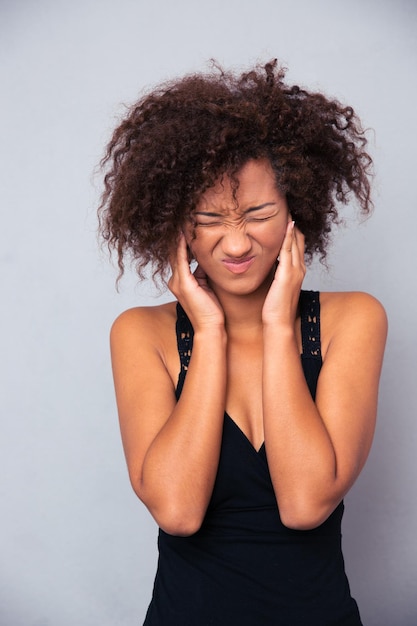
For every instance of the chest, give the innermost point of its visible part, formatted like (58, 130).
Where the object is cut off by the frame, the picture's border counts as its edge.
(244, 385)
(244, 390)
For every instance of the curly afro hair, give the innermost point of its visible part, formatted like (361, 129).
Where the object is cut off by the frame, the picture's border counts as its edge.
(177, 141)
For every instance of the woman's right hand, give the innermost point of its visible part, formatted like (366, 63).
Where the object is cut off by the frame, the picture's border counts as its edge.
(193, 291)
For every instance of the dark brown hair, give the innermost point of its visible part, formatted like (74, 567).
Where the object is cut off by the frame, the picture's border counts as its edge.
(177, 140)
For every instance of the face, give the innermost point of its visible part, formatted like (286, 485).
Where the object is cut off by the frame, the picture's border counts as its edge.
(237, 240)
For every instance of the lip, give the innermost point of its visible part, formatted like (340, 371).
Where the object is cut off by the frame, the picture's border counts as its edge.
(238, 266)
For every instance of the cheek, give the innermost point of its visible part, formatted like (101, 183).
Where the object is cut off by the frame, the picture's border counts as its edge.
(201, 242)
(274, 239)
(281, 237)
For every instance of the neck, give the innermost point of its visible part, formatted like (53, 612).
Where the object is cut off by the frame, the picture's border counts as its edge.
(243, 311)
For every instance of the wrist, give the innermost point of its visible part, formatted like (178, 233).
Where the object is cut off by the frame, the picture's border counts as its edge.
(215, 333)
(281, 333)
(279, 326)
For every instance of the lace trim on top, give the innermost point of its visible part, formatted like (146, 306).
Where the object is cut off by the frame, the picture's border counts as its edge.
(310, 329)
(185, 334)
(310, 323)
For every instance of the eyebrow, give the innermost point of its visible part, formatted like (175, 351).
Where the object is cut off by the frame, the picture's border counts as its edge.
(250, 210)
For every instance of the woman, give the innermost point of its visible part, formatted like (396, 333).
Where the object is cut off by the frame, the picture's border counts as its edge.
(247, 406)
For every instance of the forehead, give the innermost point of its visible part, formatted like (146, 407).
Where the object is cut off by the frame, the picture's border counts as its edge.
(256, 184)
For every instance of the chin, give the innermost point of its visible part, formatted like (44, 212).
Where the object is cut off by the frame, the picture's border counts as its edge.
(244, 285)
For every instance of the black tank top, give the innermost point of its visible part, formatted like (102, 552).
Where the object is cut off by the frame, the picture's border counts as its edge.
(244, 566)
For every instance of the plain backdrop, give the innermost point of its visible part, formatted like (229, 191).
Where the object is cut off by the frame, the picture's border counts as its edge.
(76, 545)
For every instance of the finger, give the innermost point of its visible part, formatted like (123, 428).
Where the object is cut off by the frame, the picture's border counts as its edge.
(298, 247)
(173, 256)
(285, 253)
(176, 260)
(182, 264)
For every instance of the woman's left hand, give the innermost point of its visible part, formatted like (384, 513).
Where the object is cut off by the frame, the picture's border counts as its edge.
(280, 306)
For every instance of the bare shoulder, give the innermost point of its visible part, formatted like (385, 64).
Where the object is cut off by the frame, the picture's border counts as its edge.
(350, 302)
(352, 314)
(146, 334)
(149, 322)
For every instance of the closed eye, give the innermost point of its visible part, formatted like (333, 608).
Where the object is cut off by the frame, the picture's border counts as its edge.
(213, 223)
(246, 219)
(254, 214)
(259, 219)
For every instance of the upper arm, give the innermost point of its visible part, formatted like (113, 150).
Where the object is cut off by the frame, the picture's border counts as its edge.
(145, 392)
(347, 390)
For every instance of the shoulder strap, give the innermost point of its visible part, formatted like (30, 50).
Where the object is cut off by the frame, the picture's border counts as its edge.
(185, 334)
(310, 323)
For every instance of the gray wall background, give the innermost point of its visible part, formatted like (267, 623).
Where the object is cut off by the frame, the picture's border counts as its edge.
(76, 546)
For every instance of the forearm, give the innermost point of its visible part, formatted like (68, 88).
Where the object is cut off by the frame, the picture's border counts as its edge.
(180, 466)
(301, 457)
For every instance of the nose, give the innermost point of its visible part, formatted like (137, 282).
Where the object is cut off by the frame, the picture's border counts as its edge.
(236, 243)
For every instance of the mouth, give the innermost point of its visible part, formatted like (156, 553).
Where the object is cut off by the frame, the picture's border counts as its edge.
(238, 266)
